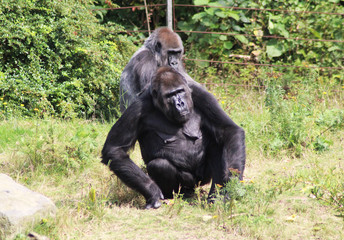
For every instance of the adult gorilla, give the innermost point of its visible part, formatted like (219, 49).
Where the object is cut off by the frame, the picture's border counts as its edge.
(162, 48)
(185, 139)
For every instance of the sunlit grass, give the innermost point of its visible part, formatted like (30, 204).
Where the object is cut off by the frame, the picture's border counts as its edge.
(285, 196)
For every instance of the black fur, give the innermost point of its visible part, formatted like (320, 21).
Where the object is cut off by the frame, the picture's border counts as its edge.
(162, 48)
(178, 154)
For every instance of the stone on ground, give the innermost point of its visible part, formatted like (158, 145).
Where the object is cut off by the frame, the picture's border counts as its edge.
(20, 207)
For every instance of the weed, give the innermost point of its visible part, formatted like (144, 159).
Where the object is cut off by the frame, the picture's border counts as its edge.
(331, 193)
(176, 205)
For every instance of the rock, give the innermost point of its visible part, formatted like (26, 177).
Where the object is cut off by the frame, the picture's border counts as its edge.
(20, 207)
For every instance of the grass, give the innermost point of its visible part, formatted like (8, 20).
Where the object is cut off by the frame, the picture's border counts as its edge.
(292, 191)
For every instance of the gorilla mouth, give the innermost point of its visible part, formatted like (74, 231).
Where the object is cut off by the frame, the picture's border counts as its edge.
(184, 116)
(184, 113)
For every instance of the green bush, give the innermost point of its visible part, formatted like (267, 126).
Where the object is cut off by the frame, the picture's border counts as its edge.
(246, 28)
(56, 59)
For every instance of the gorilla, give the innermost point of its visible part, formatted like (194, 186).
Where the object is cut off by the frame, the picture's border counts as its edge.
(185, 138)
(162, 48)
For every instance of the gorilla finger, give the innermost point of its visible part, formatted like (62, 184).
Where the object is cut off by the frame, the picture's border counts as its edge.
(155, 205)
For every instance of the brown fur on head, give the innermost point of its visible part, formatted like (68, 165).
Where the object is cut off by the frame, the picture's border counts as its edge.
(162, 41)
(167, 77)
(168, 38)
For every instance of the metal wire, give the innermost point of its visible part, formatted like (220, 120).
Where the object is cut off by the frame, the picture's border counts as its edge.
(129, 7)
(267, 36)
(259, 9)
(263, 64)
(246, 35)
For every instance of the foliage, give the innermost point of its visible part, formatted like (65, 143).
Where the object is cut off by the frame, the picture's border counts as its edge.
(298, 114)
(330, 192)
(55, 59)
(244, 30)
(243, 199)
(294, 122)
(136, 11)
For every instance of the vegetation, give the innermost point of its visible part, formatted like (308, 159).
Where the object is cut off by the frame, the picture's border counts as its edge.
(64, 58)
(293, 184)
(55, 59)
(290, 27)
(60, 63)
(247, 28)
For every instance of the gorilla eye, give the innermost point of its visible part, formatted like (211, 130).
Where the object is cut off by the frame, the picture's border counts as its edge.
(169, 95)
(174, 93)
(180, 91)
(176, 52)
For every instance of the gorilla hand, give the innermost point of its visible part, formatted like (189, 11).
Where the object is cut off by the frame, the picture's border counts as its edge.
(154, 201)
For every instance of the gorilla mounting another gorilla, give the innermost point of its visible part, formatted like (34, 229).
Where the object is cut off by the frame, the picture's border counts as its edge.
(162, 48)
(185, 137)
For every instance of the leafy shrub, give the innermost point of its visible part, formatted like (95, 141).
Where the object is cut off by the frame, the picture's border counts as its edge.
(246, 28)
(56, 59)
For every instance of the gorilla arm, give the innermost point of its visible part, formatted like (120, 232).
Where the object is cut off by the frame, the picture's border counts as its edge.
(228, 152)
(120, 139)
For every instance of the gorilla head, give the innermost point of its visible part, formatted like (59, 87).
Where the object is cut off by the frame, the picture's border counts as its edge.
(162, 48)
(171, 95)
(167, 47)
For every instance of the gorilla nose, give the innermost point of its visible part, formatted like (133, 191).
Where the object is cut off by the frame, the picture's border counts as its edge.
(174, 64)
(180, 105)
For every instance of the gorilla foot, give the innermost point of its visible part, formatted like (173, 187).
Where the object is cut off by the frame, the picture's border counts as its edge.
(187, 192)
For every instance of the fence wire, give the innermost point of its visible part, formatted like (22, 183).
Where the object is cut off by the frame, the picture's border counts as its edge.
(142, 7)
(259, 9)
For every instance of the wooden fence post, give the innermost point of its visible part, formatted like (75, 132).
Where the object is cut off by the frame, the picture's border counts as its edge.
(169, 14)
(147, 17)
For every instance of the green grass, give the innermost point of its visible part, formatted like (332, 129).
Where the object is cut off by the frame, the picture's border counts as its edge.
(290, 191)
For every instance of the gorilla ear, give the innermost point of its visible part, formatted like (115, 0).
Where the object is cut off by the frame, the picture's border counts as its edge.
(154, 93)
(158, 47)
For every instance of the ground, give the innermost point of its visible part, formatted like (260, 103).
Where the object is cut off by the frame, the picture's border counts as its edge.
(287, 194)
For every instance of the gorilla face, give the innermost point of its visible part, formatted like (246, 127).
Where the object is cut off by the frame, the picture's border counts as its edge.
(168, 48)
(174, 57)
(177, 103)
(171, 95)
(168, 55)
